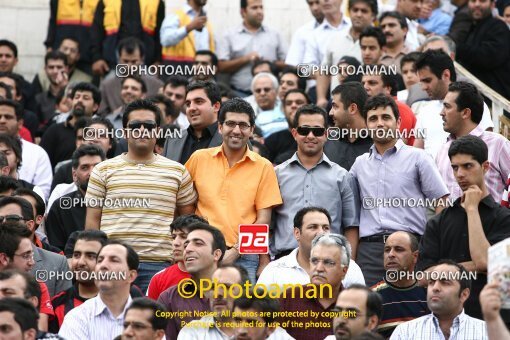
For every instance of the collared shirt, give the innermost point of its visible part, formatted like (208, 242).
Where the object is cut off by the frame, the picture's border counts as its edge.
(296, 54)
(402, 172)
(36, 167)
(93, 320)
(205, 328)
(412, 37)
(344, 153)
(301, 303)
(340, 45)
(172, 31)
(271, 121)
(446, 237)
(192, 143)
(439, 22)
(174, 302)
(236, 193)
(116, 117)
(499, 159)
(325, 185)
(427, 328)
(318, 41)
(286, 270)
(238, 42)
(389, 60)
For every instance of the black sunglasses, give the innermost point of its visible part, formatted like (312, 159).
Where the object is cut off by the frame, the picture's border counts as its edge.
(148, 125)
(305, 131)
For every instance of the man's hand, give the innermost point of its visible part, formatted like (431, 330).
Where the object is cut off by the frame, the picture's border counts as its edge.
(471, 198)
(231, 255)
(100, 67)
(62, 79)
(196, 24)
(252, 57)
(490, 301)
(322, 102)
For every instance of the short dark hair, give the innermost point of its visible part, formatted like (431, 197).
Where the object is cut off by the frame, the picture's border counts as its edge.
(184, 221)
(32, 286)
(374, 300)
(469, 145)
(243, 273)
(83, 86)
(298, 90)
(374, 32)
(378, 101)
(141, 104)
(244, 4)
(12, 143)
(92, 235)
(55, 55)
(8, 183)
(132, 257)
(130, 45)
(394, 14)
(3, 160)
(86, 150)
(464, 279)
(210, 87)
(370, 3)
(40, 206)
(81, 123)
(301, 81)
(411, 57)
(258, 62)
(261, 302)
(218, 238)
(237, 105)
(25, 314)
(176, 81)
(11, 234)
(166, 130)
(15, 105)
(310, 109)
(18, 79)
(170, 109)
(136, 78)
(214, 57)
(468, 97)
(27, 211)
(8, 90)
(437, 61)
(300, 215)
(351, 93)
(9, 44)
(109, 127)
(143, 303)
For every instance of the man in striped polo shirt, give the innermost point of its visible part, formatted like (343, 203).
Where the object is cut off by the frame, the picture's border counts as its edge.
(134, 196)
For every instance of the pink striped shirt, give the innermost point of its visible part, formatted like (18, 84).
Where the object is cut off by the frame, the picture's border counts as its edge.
(505, 200)
(499, 158)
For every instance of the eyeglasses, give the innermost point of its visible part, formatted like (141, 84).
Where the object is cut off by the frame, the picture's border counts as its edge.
(27, 256)
(11, 218)
(242, 125)
(265, 89)
(148, 125)
(305, 131)
(327, 262)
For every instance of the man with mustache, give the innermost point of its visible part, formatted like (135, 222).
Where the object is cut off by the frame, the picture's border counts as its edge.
(395, 28)
(359, 310)
(59, 139)
(390, 170)
(63, 219)
(447, 292)
(403, 298)
(221, 305)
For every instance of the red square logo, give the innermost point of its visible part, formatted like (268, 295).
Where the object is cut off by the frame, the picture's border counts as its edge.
(253, 239)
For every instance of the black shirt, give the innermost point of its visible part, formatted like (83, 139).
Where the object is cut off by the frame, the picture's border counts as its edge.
(59, 142)
(446, 237)
(344, 153)
(193, 143)
(67, 214)
(64, 174)
(279, 143)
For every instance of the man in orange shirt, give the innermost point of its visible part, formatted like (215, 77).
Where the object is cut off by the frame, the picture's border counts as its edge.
(234, 184)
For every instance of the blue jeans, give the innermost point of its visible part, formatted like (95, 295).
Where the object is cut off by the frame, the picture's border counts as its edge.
(146, 271)
(250, 263)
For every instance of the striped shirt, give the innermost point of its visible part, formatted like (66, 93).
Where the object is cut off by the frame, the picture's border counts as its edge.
(427, 327)
(93, 320)
(499, 159)
(505, 200)
(139, 201)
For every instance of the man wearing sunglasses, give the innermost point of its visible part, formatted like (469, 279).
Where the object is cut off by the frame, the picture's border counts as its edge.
(158, 187)
(235, 185)
(309, 178)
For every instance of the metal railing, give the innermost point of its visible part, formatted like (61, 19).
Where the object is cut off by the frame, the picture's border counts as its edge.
(499, 103)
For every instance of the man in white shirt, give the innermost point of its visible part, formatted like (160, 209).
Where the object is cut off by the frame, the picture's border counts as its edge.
(102, 317)
(36, 167)
(411, 9)
(294, 268)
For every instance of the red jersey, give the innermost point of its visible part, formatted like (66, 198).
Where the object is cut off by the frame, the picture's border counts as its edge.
(407, 121)
(165, 279)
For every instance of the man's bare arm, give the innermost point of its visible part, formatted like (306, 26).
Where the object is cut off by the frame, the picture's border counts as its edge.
(352, 235)
(93, 218)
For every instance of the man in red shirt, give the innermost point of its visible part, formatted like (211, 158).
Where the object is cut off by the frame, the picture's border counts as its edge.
(382, 80)
(172, 275)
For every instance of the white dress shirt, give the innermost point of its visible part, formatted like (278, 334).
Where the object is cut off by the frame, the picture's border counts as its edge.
(286, 270)
(319, 39)
(296, 54)
(93, 320)
(36, 167)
